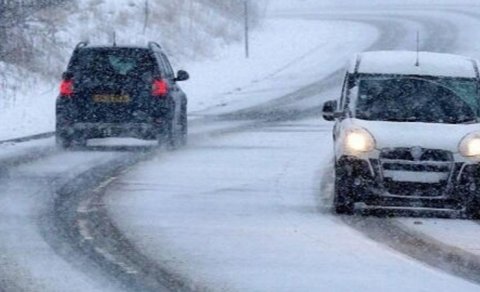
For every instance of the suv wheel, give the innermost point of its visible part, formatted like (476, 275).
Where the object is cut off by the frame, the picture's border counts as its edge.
(167, 137)
(344, 202)
(184, 127)
(63, 141)
(68, 142)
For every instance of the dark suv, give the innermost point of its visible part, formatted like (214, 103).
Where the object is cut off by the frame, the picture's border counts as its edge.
(115, 91)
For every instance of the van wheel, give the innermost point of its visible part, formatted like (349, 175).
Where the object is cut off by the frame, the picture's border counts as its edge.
(343, 201)
(472, 210)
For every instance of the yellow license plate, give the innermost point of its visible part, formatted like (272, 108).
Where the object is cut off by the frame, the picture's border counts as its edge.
(111, 98)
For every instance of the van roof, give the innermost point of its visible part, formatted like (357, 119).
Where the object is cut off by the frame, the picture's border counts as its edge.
(404, 63)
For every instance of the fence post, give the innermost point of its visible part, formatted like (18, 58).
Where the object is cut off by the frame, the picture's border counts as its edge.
(147, 16)
(247, 28)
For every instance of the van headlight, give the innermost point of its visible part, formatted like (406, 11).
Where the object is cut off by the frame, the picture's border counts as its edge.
(470, 145)
(359, 140)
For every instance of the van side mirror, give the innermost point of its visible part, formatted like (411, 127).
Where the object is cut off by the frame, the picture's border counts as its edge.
(182, 75)
(329, 109)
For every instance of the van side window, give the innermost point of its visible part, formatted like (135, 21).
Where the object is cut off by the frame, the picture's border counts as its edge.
(343, 97)
(351, 83)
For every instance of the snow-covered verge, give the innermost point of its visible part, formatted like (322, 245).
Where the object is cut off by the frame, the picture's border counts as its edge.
(27, 102)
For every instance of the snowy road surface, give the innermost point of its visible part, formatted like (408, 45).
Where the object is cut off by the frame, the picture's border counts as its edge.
(28, 261)
(246, 206)
(247, 216)
(248, 211)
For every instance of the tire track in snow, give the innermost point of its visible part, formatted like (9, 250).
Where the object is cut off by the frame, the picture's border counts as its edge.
(82, 224)
(420, 246)
(407, 240)
(79, 219)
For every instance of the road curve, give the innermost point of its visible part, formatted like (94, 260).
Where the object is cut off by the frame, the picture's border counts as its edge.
(82, 225)
(138, 272)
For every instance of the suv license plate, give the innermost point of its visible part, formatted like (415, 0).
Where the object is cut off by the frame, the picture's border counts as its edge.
(111, 98)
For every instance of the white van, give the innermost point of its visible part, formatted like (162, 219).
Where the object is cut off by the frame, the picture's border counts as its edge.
(407, 133)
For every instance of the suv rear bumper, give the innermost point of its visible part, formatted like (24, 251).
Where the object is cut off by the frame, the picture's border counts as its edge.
(148, 131)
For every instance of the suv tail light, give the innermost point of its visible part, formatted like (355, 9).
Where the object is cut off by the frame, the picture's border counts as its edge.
(66, 88)
(159, 88)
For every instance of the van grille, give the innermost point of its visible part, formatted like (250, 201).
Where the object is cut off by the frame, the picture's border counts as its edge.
(406, 154)
(416, 172)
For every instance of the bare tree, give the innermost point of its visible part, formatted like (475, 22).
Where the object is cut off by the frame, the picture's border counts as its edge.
(14, 16)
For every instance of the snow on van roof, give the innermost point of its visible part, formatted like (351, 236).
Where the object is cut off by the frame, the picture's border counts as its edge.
(404, 63)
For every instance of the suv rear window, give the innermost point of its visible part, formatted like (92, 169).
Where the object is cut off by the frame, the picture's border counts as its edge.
(107, 65)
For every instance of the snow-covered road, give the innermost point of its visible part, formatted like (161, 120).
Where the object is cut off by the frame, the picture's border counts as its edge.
(245, 212)
(29, 261)
(246, 206)
(250, 211)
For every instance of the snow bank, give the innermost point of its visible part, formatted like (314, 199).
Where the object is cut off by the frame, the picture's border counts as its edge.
(27, 102)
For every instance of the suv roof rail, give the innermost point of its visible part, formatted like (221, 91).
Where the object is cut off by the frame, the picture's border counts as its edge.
(477, 71)
(81, 45)
(358, 60)
(154, 44)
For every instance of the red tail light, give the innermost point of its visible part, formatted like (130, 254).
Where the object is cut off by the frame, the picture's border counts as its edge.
(66, 88)
(160, 88)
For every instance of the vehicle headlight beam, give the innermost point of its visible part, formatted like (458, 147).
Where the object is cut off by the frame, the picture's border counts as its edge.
(470, 145)
(359, 140)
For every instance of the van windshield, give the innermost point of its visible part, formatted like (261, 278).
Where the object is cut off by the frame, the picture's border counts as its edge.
(412, 99)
